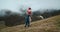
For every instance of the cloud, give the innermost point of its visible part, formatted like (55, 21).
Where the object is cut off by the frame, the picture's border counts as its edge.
(35, 4)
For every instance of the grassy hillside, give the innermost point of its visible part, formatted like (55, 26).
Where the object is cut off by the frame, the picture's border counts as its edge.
(2, 25)
(47, 25)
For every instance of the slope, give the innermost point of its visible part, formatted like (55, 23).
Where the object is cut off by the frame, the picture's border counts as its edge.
(47, 25)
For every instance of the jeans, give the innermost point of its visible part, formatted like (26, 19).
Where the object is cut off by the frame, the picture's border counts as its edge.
(27, 22)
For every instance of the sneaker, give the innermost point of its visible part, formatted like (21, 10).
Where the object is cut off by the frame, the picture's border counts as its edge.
(25, 25)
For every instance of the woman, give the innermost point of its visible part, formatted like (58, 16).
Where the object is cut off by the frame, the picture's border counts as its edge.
(28, 17)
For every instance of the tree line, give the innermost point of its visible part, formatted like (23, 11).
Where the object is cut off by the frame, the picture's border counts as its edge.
(12, 19)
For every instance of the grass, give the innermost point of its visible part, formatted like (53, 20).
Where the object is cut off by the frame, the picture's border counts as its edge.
(2, 25)
(47, 25)
(57, 23)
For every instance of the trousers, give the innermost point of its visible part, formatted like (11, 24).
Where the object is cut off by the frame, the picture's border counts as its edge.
(27, 22)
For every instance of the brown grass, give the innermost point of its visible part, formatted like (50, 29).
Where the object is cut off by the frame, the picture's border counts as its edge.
(46, 25)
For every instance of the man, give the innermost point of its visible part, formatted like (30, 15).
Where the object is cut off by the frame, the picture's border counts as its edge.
(28, 17)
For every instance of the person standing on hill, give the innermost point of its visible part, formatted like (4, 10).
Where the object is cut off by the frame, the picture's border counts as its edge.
(28, 17)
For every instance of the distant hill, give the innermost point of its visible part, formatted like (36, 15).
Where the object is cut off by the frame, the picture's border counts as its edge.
(51, 24)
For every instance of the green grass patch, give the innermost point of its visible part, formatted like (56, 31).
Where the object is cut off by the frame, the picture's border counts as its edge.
(58, 24)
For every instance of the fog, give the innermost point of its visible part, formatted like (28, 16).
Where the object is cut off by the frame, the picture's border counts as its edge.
(13, 11)
(15, 5)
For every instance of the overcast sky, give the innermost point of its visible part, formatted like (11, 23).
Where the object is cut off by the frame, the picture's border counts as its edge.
(14, 5)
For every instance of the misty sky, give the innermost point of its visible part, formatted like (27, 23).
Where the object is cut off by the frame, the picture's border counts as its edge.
(14, 5)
